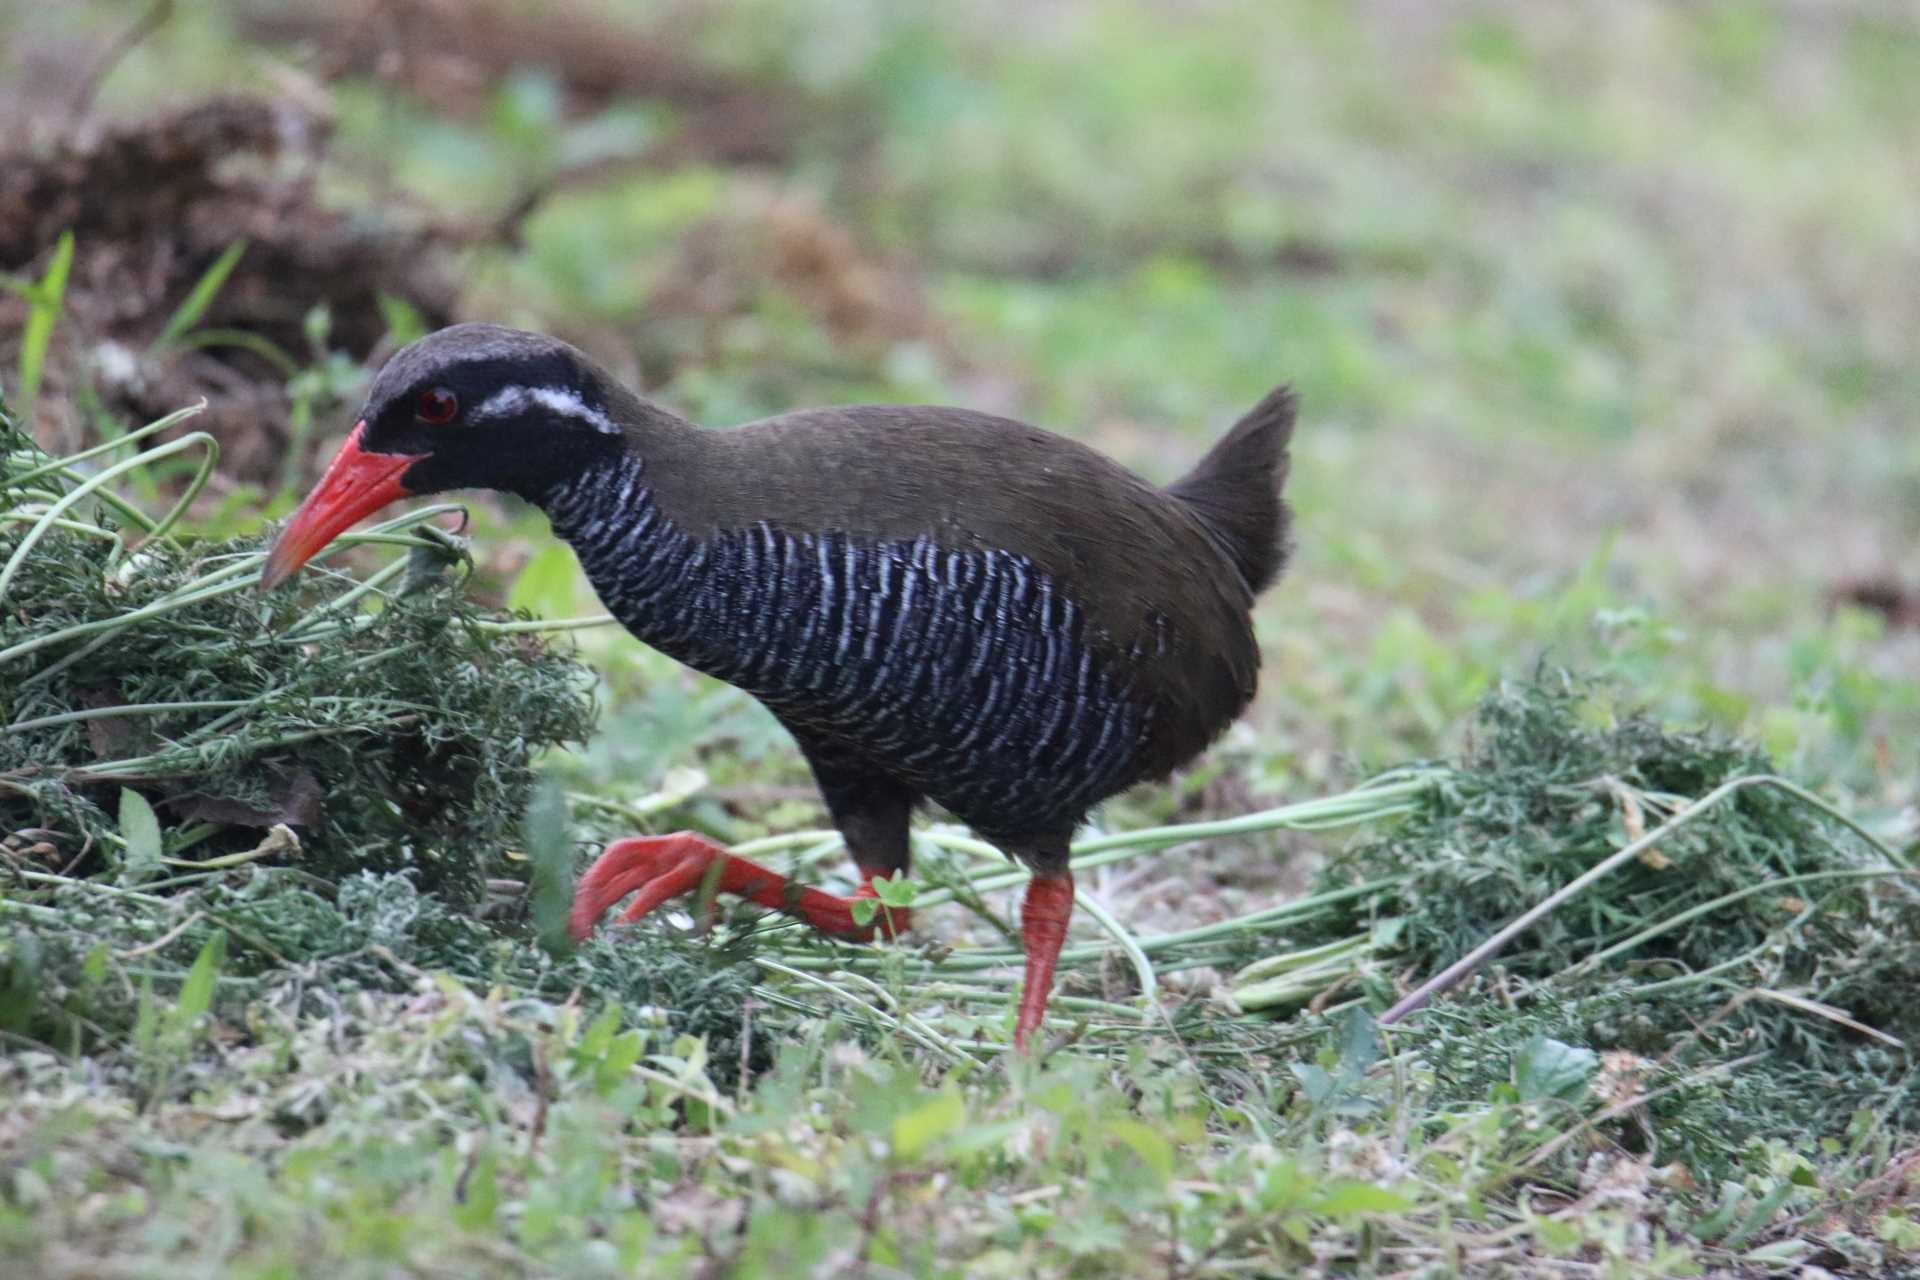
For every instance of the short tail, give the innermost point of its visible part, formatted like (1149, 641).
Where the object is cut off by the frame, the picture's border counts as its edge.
(1235, 489)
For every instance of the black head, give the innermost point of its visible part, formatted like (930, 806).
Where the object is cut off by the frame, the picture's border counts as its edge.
(485, 407)
(471, 407)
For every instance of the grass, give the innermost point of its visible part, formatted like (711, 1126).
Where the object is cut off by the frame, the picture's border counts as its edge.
(43, 298)
(1603, 339)
(1750, 953)
(125, 663)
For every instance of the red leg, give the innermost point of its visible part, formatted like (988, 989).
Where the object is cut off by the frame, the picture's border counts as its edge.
(1043, 920)
(663, 867)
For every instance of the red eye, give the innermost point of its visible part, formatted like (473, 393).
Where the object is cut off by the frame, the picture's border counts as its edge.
(436, 407)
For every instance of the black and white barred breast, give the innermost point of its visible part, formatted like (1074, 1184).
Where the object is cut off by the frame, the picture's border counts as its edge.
(969, 676)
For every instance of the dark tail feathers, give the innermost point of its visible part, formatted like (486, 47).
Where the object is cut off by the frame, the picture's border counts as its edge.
(1235, 489)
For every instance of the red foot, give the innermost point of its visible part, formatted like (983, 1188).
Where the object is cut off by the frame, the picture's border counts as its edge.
(663, 867)
(1043, 920)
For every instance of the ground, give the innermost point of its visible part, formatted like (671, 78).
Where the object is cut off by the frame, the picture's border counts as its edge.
(1602, 322)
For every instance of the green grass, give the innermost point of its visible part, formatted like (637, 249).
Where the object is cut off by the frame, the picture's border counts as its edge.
(1603, 326)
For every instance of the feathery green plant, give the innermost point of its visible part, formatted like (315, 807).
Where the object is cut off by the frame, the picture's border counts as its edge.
(395, 727)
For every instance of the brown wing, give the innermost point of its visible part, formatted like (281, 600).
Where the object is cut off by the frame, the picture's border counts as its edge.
(1138, 559)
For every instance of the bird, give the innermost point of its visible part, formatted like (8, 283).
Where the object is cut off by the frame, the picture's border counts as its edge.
(938, 604)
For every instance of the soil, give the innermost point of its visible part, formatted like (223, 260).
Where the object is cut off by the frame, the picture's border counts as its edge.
(152, 204)
(452, 54)
(723, 265)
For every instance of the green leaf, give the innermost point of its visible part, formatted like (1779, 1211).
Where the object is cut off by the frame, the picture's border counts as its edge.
(403, 320)
(141, 830)
(20, 963)
(1898, 1230)
(1359, 1044)
(1547, 1068)
(549, 848)
(1153, 1149)
(978, 1139)
(196, 994)
(1314, 1081)
(599, 1034)
(1556, 1237)
(316, 326)
(1712, 1225)
(1386, 933)
(201, 296)
(545, 584)
(146, 1022)
(481, 1199)
(1758, 1215)
(1347, 1196)
(1284, 1186)
(46, 299)
(621, 1055)
(914, 1131)
(896, 890)
(527, 109)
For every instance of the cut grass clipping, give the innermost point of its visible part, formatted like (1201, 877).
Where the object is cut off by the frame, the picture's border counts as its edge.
(162, 716)
(1738, 953)
(1643, 925)
(315, 787)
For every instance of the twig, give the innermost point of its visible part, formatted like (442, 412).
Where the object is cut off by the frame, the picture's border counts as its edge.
(747, 1007)
(164, 938)
(150, 21)
(1822, 1010)
(542, 1097)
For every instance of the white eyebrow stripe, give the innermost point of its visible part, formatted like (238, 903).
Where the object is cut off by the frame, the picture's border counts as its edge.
(568, 404)
(561, 401)
(502, 402)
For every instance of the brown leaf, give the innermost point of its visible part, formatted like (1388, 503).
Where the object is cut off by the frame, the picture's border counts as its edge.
(111, 737)
(294, 802)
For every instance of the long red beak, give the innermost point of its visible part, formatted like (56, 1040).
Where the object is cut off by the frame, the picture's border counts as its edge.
(357, 484)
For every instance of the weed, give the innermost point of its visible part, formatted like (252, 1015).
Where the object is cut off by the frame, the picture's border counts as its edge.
(393, 737)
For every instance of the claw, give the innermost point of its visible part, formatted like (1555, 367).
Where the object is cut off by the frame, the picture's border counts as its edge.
(655, 866)
(658, 868)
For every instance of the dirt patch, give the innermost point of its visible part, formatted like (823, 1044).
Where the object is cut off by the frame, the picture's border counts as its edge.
(152, 205)
(1893, 600)
(724, 265)
(453, 56)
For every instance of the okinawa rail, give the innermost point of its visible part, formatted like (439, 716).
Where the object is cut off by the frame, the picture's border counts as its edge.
(938, 604)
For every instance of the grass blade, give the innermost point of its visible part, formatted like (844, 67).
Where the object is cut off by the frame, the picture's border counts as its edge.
(46, 299)
(196, 995)
(549, 850)
(201, 296)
